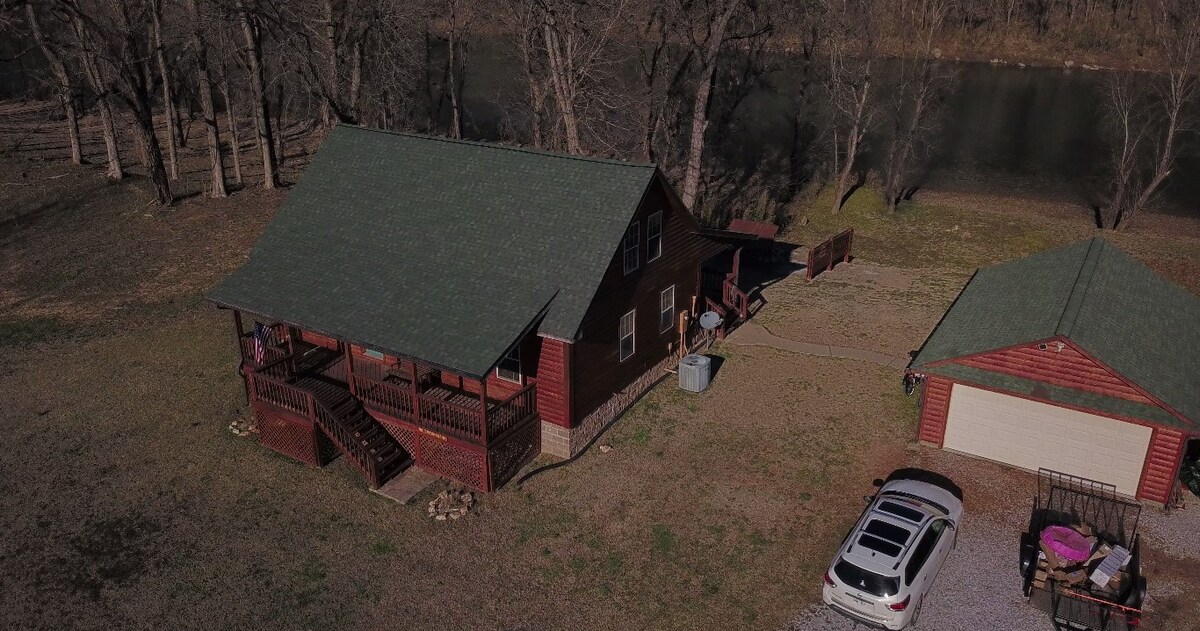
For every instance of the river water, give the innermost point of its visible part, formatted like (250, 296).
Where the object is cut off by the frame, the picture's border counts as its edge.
(1004, 129)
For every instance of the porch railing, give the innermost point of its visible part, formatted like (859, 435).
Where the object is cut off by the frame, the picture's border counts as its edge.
(387, 397)
(508, 413)
(449, 418)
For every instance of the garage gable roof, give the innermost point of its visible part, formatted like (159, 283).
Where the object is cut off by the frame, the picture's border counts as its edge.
(1105, 301)
(446, 251)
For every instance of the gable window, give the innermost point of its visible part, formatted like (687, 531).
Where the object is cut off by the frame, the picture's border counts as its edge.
(631, 247)
(509, 368)
(627, 334)
(666, 309)
(654, 236)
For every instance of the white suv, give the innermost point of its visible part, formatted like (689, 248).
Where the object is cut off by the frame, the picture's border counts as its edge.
(887, 563)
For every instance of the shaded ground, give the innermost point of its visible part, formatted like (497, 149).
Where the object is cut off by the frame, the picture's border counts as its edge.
(125, 503)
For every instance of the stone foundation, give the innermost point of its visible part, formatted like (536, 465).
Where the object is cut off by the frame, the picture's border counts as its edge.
(565, 443)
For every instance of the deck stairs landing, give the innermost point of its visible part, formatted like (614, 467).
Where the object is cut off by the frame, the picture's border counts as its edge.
(357, 434)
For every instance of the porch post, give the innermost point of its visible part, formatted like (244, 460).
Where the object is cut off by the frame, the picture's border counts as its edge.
(237, 323)
(483, 434)
(416, 399)
(350, 369)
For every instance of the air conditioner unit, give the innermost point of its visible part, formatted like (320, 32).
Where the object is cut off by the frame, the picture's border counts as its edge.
(694, 372)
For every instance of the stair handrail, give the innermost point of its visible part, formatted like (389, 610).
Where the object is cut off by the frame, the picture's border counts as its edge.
(319, 413)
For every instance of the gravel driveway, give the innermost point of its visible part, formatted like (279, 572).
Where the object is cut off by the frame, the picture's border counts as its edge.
(978, 588)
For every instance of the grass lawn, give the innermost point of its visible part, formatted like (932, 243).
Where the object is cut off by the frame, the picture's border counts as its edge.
(126, 503)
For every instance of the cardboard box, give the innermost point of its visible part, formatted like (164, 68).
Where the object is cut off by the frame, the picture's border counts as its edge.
(1076, 577)
(1083, 529)
(1053, 561)
(1100, 552)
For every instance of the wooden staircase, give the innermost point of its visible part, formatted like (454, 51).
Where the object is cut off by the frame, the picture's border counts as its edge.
(354, 431)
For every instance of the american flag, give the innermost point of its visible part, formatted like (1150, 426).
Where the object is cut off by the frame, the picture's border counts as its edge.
(262, 337)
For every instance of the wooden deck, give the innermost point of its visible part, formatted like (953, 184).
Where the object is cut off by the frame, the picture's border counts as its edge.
(379, 415)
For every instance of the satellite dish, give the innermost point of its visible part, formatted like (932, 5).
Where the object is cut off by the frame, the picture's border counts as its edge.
(710, 320)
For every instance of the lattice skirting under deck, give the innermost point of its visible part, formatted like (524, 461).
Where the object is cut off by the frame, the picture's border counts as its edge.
(288, 435)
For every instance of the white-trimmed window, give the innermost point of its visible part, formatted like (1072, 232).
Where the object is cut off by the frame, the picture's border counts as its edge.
(654, 236)
(631, 247)
(666, 309)
(627, 334)
(509, 368)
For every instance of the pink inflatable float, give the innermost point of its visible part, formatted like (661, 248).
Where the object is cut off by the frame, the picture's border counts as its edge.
(1067, 543)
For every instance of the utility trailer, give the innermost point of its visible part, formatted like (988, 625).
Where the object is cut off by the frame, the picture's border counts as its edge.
(1112, 521)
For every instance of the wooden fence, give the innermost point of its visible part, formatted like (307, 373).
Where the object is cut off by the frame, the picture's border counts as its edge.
(830, 252)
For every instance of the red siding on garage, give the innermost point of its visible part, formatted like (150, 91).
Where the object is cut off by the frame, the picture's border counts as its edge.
(935, 405)
(554, 378)
(1162, 464)
(1068, 368)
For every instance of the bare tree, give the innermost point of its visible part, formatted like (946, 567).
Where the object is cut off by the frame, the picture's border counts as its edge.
(235, 145)
(850, 85)
(710, 27)
(53, 53)
(1148, 115)
(524, 20)
(112, 32)
(89, 60)
(160, 57)
(910, 109)
(249, 23)
(576, 38)
(208, 110)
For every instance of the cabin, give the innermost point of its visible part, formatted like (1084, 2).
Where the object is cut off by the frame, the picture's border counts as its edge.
(1079, 359)
(463, 306)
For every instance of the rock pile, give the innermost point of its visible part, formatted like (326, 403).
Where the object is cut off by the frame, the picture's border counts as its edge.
(451, 505)
(243, 427)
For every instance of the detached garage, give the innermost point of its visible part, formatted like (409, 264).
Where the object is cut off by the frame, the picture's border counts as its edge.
(1079, 359)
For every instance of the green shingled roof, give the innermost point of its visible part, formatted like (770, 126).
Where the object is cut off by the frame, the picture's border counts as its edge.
(446, 251)
(1105, 301)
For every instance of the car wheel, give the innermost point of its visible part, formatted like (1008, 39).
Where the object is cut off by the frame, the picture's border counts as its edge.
(912, 622)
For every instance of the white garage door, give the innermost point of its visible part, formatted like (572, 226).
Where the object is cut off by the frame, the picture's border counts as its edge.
(1031, 435)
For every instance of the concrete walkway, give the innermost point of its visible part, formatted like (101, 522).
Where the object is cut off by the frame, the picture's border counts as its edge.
(751, 334)
(405, 486)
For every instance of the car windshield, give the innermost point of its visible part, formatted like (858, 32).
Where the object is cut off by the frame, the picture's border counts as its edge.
(863, 580)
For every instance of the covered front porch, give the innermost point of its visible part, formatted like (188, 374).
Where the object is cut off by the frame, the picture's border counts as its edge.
(462, 427)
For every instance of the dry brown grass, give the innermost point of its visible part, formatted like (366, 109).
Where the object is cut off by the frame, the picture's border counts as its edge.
(124, 502)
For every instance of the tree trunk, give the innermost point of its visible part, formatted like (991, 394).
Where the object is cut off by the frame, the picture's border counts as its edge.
(331, 41)
(87, 58)
(563, 84)
(843, 178)
(160, 57)
(691, 176)
(279, 131)
(66, 94)
(356, 58)
(700, 103)
(235, 145)
(207, 109)
(262, 114)
(452, 76)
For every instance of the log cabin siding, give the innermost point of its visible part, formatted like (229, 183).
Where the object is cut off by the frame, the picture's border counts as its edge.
(598, 371)
(935, 406)
(1162, 464)
(553, 390)
(1068, 367)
